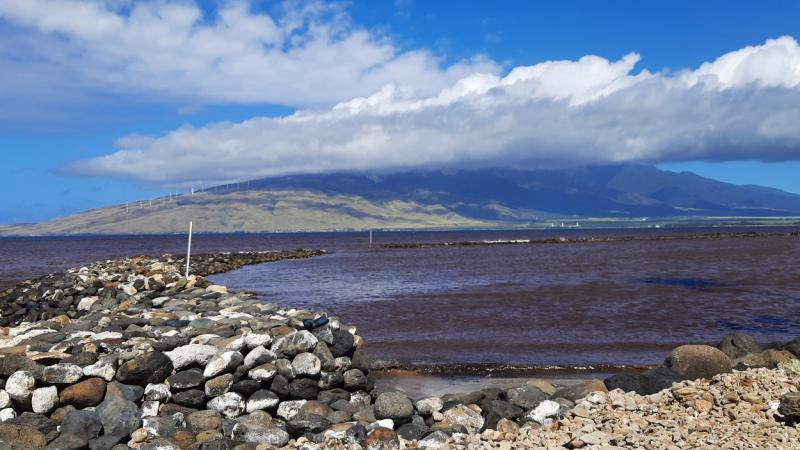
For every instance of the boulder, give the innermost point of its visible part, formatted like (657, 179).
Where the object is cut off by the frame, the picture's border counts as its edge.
(222, 363)
(464, 416)
(526, 397)
(698, 361)
(186, 379)
(736, 345)
(658, 379)
(86, 393)
(393, 405)
(84, 424)
(18, 437)
(44, 400)
(20, 385)
(306, 364)
(152, 367)
(230, 405)
(382, 439)
(62, 373)
(790, 405)
(205, 420)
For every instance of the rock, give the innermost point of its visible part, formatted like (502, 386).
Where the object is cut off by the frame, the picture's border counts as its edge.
(230, 405)
(118, 416)
(157, 392)
(736, 345)
(393, 405)
(412, 432)
(580, 390)
(658, 379)
(152, 367)
(790, 405)
(306, 364)
(191, 354)
(84, 424)
(68, 442)
(44, 400)
(434, 441)
(17, 437)
(526, 397)
(299, 342)
(15, 363)
(625, 381)
(5, 399)
(62, 373)
(191, 398)
(698, 361)
(248, 432)
(37, 421)
(262, 400)
(103, 369)
(546, 409)
(288, 409)
(464, 416)
(355, 380)
(86, 393)
(262, 373)
(303, 424)
(20, 385)
(186, 379)
(428, 405)
(382, 439)
(219, 385)
(767, 358)
(223, 362)
(303, 389)
(205, 420)
(257, 356)
(343, 344)
(7, 414)
(501, 409)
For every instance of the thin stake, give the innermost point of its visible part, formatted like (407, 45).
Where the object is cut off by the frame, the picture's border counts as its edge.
(370, 238)
(189, 249)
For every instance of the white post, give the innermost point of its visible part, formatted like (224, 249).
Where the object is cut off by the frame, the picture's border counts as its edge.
(192, 192)
(370, 238)
(126, 207)
(189, 249)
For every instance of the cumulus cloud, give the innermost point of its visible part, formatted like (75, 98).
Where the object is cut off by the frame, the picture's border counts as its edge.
(301, 54)
(743, 105)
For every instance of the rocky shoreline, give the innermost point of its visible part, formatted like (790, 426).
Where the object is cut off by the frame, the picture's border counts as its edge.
(130, 354)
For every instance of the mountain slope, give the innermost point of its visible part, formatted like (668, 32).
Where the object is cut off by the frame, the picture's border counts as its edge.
(431, 200)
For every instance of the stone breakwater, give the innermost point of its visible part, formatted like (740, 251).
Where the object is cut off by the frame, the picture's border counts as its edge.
(128, 353)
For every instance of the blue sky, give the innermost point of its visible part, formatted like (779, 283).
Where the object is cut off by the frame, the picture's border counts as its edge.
(70, 98)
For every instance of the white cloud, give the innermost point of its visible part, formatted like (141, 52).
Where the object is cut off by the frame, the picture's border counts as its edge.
(744, 105)
(303, 54)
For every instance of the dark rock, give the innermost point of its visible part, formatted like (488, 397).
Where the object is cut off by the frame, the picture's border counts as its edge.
(246, 387)
(303, 389)
(311, 423)
(206, 420)
(625, 381)
(393, 405)
(186, 379)
(21, 437)
(13, 363)
(580, 390)
(118, 416)
(698, 361)
(81, 359)
(793, 346)
(526, 397)
(332, 395)
(219, 385)
(68, 442)
(108, 442)
(37, 421)
(790, 405)
(193, 398)
(736, 345)
(84, 424)
(412, 432)
(153, 367)
(343, 343)
(280, 386)
(126, 391)
(355, 380)
(502, 409)
(658, 379)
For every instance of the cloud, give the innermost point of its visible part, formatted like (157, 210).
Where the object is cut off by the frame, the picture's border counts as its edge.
(301, 54)
(744, 105)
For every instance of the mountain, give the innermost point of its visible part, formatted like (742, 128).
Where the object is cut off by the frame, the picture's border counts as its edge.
(431, 200)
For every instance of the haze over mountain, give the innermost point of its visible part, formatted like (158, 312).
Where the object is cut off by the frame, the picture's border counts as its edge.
(431, 200)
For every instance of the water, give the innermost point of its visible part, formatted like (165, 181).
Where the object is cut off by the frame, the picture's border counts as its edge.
(617, 303)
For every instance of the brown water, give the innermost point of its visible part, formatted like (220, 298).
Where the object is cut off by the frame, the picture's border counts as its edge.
(617, 303)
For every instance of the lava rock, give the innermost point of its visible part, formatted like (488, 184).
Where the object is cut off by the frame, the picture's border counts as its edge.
(698, 361)
(152, 367)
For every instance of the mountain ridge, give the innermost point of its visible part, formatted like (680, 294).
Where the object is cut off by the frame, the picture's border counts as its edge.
(433, 199)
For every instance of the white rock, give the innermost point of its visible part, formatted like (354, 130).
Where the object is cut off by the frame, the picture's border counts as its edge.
(62, 373)
(7, 414)
(223, 362)
(264, 372)
(429, 405)
(19, 386)
(236, 344)
(103, 369)
(384, 423)
(230, 405)
(44, 400)
(306, 364)
(463, 415)
(5, 400)
(546, 408)
(258, 402)
(252, 340)
(187, 355)
(288, 409)
(159, 301)
(150, 408)
(217, 288)
(107, 335)
(157, 392)
(257, 356)
(86, 303)
(129, 289)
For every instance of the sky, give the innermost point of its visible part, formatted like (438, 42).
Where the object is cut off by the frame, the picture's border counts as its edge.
(109, 101)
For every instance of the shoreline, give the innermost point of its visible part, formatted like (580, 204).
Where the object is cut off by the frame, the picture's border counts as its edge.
(130, 354)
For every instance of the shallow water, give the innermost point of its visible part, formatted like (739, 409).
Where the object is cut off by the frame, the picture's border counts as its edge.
(618, 303)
